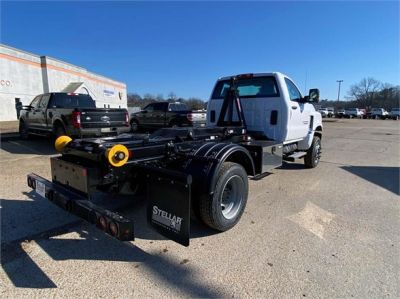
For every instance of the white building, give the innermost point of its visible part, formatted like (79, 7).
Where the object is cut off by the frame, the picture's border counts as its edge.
(24, 75)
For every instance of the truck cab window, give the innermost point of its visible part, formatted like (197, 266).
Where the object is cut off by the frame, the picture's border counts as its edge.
(149, 108)
(160, 106)
(294, 93)
(177, 107)
(44, 101)
(256, 87)
(35, 102)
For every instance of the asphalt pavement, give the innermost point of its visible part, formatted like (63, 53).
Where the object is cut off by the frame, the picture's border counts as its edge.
(329, 232)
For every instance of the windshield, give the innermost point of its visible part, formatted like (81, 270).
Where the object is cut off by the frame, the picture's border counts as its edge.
(256, 87)
(63, 100)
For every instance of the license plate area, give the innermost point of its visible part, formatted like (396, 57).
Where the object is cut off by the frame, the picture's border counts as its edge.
(72, 175)
(41, 189)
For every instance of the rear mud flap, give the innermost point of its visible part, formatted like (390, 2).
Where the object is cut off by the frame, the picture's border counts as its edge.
(168, 210)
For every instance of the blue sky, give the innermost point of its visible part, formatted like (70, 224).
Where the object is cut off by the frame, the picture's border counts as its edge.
(159, 47)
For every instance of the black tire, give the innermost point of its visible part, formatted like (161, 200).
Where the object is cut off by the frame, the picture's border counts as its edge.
(311, 160)
(58, 131)
(134, 126)
(23, 130)
(222, 210)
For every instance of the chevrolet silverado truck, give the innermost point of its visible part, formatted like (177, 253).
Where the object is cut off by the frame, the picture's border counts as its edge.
(71, 114)
(165, 114)
(254, 122)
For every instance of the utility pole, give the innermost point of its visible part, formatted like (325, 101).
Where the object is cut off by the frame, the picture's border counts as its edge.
(338, 94)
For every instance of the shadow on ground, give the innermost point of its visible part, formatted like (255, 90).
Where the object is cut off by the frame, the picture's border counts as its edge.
(92, 244)
(32, 146)
(385, 177)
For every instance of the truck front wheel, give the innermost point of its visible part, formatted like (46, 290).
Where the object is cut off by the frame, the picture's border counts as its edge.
(224, 208)
(23, 130)
(311, 160)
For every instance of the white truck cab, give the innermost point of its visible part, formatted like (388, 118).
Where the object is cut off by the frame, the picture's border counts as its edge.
(379, 113)
(273, 106)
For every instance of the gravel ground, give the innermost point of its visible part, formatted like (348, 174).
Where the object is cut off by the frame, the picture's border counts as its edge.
(327, 232)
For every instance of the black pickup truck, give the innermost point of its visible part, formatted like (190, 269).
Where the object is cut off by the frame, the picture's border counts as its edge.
(70, 114)
(165, 114)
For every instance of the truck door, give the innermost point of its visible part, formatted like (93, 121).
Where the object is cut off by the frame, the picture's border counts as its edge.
(42, 112)
(145, 116)
(299, 117)
(33, 114)
(159, 113)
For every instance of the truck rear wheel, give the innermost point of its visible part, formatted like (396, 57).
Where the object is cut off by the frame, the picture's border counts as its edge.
(223, 209)
(58, 131)
(311, 160)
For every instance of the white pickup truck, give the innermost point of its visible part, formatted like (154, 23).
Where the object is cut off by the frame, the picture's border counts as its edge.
(254, 122)
(275, 109)
(379, 113)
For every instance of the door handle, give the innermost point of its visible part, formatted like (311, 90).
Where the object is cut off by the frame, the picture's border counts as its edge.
(294, 107)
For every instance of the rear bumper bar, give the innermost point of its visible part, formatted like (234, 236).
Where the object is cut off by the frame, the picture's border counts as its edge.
(110, 222)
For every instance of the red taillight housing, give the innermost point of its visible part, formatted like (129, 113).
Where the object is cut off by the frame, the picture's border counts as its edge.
(189, 116)
(76, 119)
(127, 118)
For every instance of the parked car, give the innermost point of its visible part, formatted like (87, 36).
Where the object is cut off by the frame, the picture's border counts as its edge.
(72, 114)
(331, 112)
(353, 112)
(379, 113)
(165, 114)
(324, 112)
(395, 113)
(340, 113)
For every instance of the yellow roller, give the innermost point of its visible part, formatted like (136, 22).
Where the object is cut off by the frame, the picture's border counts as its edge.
(114, 155)
(61, 142)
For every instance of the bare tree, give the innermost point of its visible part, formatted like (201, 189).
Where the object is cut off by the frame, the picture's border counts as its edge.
(365, 91)
(171, 96)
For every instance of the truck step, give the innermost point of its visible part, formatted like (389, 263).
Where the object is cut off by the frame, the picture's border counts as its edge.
(296, 155)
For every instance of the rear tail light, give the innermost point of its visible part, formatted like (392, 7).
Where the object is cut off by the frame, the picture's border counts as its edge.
(189, 116)
(126, 118)
(113, 228)
(76, 119)
(102, 221)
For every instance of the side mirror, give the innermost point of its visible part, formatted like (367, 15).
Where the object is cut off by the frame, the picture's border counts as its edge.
(313, 95)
